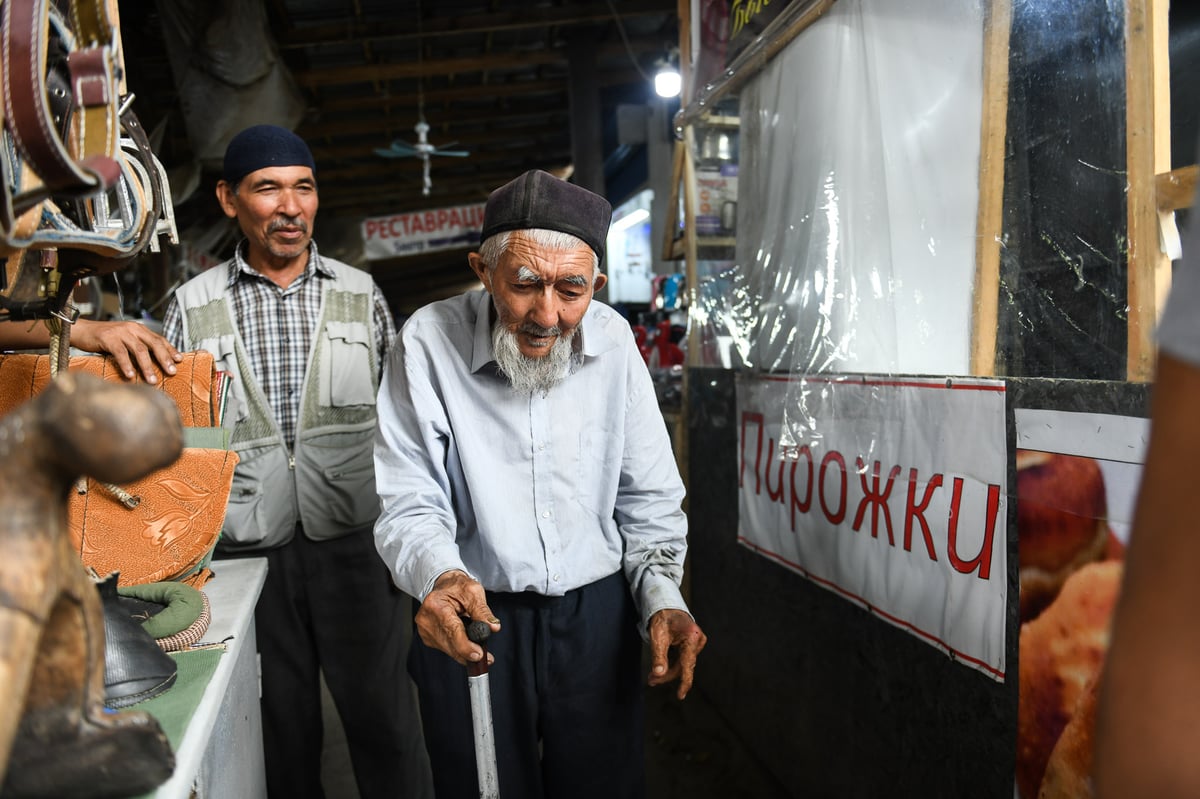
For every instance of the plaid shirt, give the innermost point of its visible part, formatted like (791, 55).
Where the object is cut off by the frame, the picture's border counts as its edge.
(277, 326)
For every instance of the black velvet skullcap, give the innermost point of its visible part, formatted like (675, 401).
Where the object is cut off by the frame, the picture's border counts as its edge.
(261, 146)
(537, 199)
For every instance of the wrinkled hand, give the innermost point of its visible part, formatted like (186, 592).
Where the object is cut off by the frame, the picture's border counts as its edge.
(128, 343)
(674, 629)
(439, 620)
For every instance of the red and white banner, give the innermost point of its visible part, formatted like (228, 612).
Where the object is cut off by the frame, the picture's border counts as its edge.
(896, 501)
(422, 231)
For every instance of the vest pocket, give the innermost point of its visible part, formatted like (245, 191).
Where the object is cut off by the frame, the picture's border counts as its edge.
(346, 471)
(260, 513)
(346, 376)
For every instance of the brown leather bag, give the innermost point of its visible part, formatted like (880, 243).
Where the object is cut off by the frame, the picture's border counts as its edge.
(164, 526)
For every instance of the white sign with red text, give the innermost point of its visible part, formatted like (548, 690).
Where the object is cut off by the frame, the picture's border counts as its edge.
(422, 231)
(897, 500)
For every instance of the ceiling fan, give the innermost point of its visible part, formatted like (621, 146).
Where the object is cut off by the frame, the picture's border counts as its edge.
(422, 149)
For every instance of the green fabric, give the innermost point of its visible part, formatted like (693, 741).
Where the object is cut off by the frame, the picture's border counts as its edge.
(174, 707)
(183, 605)
(206, 437)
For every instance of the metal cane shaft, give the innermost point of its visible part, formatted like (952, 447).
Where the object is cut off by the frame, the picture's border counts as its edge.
(485, 740)
(481, 714)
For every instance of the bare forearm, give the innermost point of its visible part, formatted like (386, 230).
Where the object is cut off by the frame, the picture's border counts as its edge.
(24, 335)
(1149, 714)
(134, 347)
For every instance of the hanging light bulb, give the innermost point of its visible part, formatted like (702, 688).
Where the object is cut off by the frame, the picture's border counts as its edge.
(667, 82)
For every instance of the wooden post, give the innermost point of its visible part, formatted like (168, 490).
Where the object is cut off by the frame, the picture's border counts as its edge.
(990, 213)
(681, 172)
(584, 107)
(671, 221)
(1147, 153)
(690, 248)
(1177, 188)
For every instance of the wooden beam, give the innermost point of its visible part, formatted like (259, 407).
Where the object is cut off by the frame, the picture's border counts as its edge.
(497, 90)
(670, 250)
(367, 73)
(406, 102)
(400, 28)
(400, 123)
(691, 202)
(496, 140)
(1147, 153)
(1176, 189)
(448, 190)
(989, 221)
(692, 355)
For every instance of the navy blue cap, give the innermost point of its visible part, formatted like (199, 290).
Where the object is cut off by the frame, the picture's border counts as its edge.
(261, 146)
(537, 199)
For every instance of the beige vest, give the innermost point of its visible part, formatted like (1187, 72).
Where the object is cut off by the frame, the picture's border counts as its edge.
(327, 484)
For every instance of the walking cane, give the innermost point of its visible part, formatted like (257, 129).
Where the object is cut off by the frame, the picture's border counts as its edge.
(481, 714)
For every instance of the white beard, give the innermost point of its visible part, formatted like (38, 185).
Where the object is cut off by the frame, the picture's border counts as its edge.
(528, 375)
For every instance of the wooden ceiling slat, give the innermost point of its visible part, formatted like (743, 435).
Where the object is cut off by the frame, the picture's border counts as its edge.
(520, 88)
(486, 62)
(401, 121)
(497, 139)
(402, 28)
(447, 191)
(366, 73)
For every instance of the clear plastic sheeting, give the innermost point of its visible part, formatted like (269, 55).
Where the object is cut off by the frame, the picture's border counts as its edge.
(857, 195)
(860, 175)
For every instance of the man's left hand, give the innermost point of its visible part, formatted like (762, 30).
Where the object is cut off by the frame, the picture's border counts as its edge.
(130, 344)
(674, 629)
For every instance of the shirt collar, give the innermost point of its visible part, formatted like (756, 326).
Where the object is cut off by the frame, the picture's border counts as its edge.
(239, 266)
(481, 354)
(593, 333)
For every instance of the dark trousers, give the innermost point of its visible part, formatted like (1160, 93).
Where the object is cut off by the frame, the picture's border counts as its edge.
(331, 607)
(567, 701)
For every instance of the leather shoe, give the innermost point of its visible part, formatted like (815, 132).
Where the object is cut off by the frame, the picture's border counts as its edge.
(135, 666)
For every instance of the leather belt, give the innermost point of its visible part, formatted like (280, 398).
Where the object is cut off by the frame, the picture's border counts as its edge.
(79, 175)
(87, 161)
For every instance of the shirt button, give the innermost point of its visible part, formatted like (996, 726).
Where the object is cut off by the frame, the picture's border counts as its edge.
(541, 446)
(556, 578)
(545, 514)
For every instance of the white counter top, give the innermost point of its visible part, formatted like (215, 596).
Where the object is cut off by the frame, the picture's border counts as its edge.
(221, 754)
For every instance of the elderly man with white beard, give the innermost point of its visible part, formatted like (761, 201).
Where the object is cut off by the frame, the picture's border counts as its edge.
(527, 481)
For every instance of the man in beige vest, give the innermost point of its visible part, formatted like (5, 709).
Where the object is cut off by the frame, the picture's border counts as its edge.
(304, 338)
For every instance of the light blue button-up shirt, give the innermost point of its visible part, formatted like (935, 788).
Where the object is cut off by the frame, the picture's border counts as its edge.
(543, 493)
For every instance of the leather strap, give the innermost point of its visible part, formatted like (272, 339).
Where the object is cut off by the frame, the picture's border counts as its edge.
(67, 145)
(91, 22)
(90, 163)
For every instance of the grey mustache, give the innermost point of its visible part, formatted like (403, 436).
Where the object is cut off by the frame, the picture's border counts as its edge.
(537, 330)
(283, 222)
